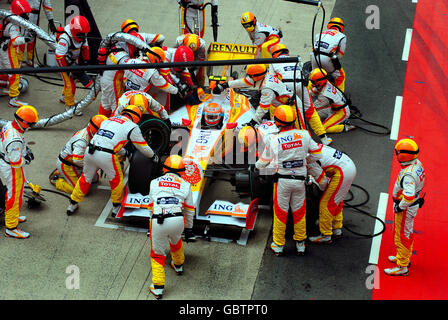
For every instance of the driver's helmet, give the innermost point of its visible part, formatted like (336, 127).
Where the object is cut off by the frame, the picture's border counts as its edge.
(212, 114)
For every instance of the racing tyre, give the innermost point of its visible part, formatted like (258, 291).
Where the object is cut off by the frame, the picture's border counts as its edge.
(141, 171)
(306, 69)
(156, 133)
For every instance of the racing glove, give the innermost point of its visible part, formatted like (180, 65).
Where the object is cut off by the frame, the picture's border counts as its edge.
(397, 208)
(189, 235)
(167, 122)
(29, 156)
(51, 26)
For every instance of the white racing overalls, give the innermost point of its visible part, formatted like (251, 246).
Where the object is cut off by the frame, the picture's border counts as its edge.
(112, 86)
(407, 193)
(275, 93)
(103, 153)
(287, 153)
(341, 172)
(332, 43)
(68, 51)
(332, 107)
(70, 161)
(172, 209)
(192, 19)
(264, 37)
(154, 107)
(12, 153)
(13, 37)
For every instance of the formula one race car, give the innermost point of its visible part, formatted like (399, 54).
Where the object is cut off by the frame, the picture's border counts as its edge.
(211, 154)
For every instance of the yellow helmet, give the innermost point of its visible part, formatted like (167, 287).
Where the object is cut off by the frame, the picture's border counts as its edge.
(284, 115)
(140, 101)
(247, 136)
(256, 71)
(248, 21)
(129, 25)
(156, 55)
(278, 49)
(317, 78)
(95, 122)
(173, 163)
(406, 150)
(336, 23)
(192, 41)
(133, 112)
(26, 116)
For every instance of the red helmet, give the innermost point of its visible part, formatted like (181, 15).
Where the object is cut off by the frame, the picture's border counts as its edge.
(79, 28)
(183, 54)
(19, 7)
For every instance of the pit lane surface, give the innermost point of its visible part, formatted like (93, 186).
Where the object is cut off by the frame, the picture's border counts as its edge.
(114, 263)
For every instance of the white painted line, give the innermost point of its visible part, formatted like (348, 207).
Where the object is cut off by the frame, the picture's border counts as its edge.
(396, 118)
(407, 45)
(414, 1)
(376, 241)
(101, 221)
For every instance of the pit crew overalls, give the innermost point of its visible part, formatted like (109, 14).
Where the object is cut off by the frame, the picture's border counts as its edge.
(34, 18)
(172, 209)
(332, 43)
(287, 153)
(12, 152)
(332, 107)
(112, 86)
(264, 37)
(70, 161)
(275, 93)
(67, 53)
(103, 153)
(193, 16)
(407, 192)
(341, 172)
(154, 107)
(12, 38)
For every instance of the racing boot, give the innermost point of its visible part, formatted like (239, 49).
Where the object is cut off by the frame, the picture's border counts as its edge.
(16, 103)
(348, 126)
(72, 207)
(300, 247)
(393, 259)
(54, 176)
(337, 233)
(116, 209)
(157, 291)
(178, 269)
(397, 271)
(278, 250)
(22, 219)
(325, 140)
(16, 233)
(321, 239)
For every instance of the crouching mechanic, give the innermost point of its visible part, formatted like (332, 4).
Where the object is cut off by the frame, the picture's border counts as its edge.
(407, 196)
(14, 154)
(287, 152)
(335, 173)
(172, 210)
(70, 161)
(330, 103)
(145, 102)
(103, 153)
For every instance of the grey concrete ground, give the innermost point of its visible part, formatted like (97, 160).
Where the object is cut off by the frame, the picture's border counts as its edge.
(114, 263)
